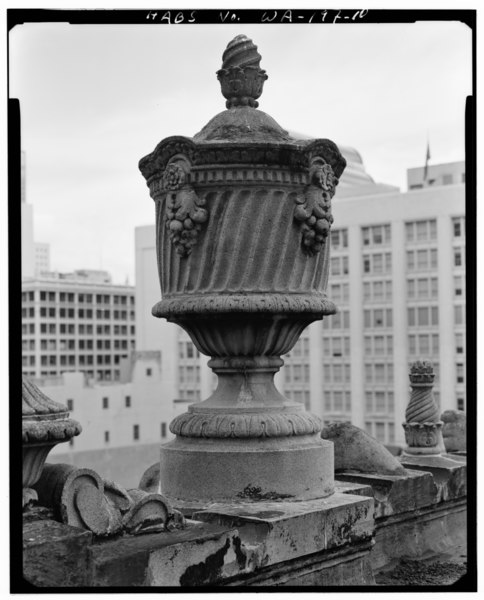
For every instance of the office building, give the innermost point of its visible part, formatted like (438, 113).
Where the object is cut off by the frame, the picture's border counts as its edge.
(41, 258)
(76, 322)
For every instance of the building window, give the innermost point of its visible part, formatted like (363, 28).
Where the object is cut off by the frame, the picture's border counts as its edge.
(339, 239)
(70, 405)
(421, 231)
(148, 372)
(458, 285)
(380, 431)
(460, 404)
(457, 257)
(106, 436)
(163, 430)
(459, 343)
(135, 432)
(105, 402)
(460, 373)
(458, 315)
(127, 401)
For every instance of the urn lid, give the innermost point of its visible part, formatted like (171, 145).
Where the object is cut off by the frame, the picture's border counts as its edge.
(43, 419)
(242, 134)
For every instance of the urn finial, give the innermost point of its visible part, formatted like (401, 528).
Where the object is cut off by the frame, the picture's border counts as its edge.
(241, 77)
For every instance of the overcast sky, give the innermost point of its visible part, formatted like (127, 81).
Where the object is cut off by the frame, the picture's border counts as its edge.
(95, 99)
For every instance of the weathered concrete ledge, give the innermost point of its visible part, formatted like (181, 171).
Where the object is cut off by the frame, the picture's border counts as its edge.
(282, 531)
(420, 515)
(55, 555)
(199, 555)
(318, 542)
(450, 474)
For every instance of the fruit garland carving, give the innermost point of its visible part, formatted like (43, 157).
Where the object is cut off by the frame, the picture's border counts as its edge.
(184, 209)
(313, 210)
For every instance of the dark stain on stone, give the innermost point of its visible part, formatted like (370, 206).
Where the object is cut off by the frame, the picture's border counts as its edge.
(255, 493)
(207, 571)
(239, 553)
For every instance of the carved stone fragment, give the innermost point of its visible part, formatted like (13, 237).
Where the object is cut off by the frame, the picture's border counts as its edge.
(80, 498)
(454, 430)
(356, 450)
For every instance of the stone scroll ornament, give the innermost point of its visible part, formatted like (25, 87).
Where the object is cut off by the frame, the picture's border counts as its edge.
(184, 210)
(81, 498)
(313, 208)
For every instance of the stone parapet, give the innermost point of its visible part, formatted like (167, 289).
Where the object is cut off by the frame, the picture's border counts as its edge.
(397, 494)
(323, 542)
(450, 474)
(417, 516)
(369, 524)
(284, 531)
(55, 555)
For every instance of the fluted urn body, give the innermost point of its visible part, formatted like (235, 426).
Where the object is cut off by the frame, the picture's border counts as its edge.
(243, 213)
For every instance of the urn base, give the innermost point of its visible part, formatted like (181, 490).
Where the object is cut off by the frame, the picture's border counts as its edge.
(217, 470)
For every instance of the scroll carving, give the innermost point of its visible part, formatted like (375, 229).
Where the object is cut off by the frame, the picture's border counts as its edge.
(79, 497)
(184, 209)
(313, 209)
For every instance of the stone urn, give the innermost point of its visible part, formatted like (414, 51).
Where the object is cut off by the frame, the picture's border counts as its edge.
(45, 423)
(243, 214)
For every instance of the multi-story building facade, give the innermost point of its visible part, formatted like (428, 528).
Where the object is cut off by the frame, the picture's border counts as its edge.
(35, 255)
(123, 422)
(397, 275)
(76, 322)
(42, 258)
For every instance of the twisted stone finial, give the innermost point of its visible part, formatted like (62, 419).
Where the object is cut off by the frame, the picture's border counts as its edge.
(241, 77)
(423, 428)
(422, 407)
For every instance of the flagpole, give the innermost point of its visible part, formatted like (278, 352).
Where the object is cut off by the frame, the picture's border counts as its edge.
(427, 158)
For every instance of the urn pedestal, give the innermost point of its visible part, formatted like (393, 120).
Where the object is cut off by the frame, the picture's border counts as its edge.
(243, 213)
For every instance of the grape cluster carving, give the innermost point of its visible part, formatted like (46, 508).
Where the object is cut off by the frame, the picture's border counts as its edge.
(313, 210)
(184, 209)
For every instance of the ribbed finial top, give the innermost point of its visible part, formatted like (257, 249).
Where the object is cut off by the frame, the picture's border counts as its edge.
(241, 52)
(241, 77)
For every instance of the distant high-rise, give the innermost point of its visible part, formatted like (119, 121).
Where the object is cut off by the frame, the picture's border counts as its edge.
(27, 225)
(42, 258)
(35, 255)
(76, 322)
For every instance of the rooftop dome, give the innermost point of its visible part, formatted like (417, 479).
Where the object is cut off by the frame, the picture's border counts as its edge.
(355, 173)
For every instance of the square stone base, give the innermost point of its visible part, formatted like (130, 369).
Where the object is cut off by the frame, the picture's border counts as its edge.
(316, 542)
